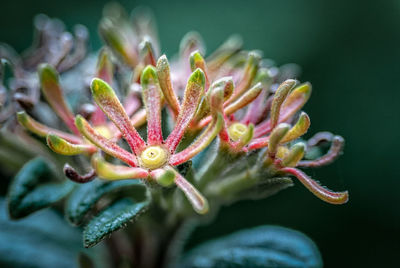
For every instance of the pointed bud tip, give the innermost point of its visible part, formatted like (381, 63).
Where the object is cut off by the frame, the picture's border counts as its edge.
(79, 121)
(196, 56)
(99, 87)
(198, 77)
(53, 140)
(149, 74)
(305, 88)
(22, 117)
(162, 60)
(47, 73)
(254, 57)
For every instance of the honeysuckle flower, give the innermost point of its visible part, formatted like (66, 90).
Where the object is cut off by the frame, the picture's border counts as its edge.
(156, 157)
(73, 144)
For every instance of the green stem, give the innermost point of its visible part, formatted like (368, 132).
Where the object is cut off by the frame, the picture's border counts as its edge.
(215, 166)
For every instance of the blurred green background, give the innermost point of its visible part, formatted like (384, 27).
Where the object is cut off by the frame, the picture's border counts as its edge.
(350, 52)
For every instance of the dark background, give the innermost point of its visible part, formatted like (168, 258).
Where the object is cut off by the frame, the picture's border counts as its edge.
(350, 52)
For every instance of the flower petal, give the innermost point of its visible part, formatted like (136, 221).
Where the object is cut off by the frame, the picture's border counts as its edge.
(293, 103)
(193, 94)
(250, 71)
(280, 96)
(52, 91)
(152, 101)
(200, 143)
(73, 175)
(104, 144)
(223, 53)
(164, 78)
(329, 157)
(110, 171)
(274, 139)
(299, 129)
(105, 68)
(322, 193)
(105, 97)
(244, 139)
(197, 61)
(244, 100)
(198, 201)
(295, 154)
(104, 71)
(41, 130)
(61, 146)
(146, 52)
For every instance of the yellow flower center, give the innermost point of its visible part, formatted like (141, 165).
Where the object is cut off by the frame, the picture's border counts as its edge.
(104, 131)
(282, 152)
(236, 131)
(153, 157)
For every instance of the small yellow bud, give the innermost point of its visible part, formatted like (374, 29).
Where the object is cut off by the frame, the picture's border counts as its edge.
(104, 131)
(236, 130)
(153, 157)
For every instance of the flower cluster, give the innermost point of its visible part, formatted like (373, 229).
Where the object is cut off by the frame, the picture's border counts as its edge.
(232, 114)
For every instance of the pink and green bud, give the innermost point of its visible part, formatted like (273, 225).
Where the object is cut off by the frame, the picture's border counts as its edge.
(107, 100)
(151, 93)
(219, 57)
(190, 42)
(249, 73)
(146, 52)
(299, 129)
(275, 138)
(41, 130)
(105, 68)
(280, 96)
(329, 157)
(103, 143)
(244, 100)
(196, 199)
(110, 171)
(294, 155)
(61, 146)
(52, 91)
(197, 61)
(336, 198)
(164, 77)
(193, 94)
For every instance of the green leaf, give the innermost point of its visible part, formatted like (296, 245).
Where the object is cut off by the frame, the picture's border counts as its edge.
(112, 219)
(43, 240)
(83, 199)
(30, 190)
(264, 246)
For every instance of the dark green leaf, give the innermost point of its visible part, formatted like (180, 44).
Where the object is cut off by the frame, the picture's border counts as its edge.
(43, 240)
(265, 246)
(85, 196)
(114, 217)
(30, 190)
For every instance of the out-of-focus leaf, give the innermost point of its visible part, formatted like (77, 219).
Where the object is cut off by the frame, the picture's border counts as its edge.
(44, 240)
(111, 219)
(83, 199)
(265, 246)
(30, 190)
